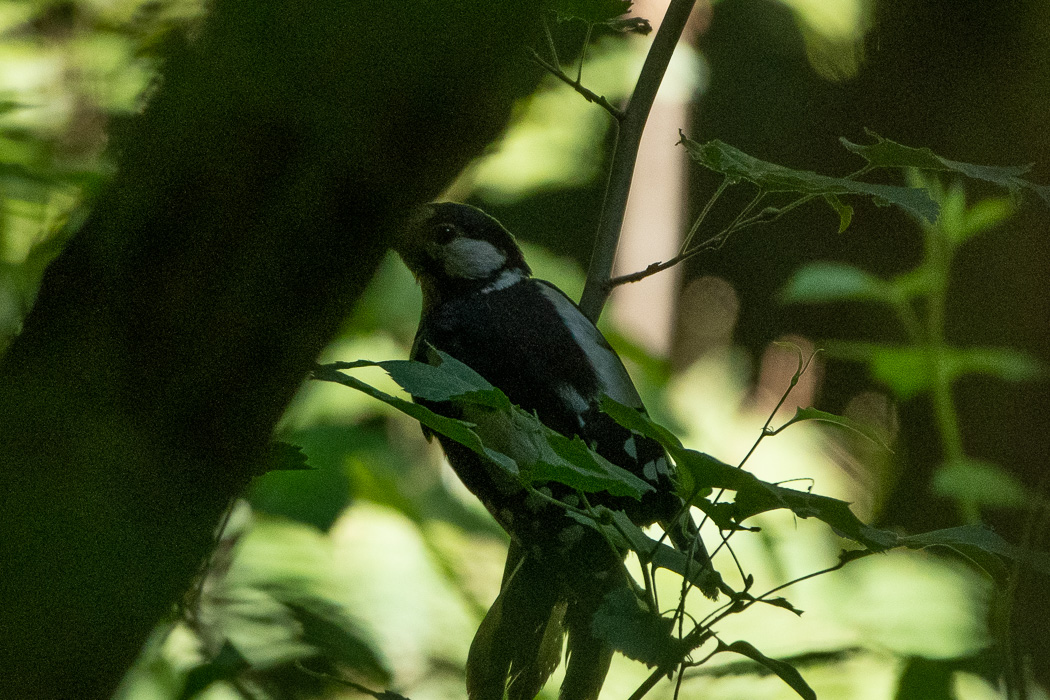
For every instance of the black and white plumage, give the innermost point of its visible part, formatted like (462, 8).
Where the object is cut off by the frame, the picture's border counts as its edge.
(482, 307)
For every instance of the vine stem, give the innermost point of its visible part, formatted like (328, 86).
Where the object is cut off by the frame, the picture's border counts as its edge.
(628, 138)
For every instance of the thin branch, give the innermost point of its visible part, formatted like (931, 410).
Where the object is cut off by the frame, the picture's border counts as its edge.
(763, 434)
(621, 171)
(768, 215)
(713, 243)
(379, 695)
(587, 94)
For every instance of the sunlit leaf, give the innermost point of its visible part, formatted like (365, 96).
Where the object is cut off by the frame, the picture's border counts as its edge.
(734, 163)
(983, 215)
(787, 673)
(319, 495)
(833, 281)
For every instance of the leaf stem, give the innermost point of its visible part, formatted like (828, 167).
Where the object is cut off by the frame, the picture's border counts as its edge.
(944, 408)
(703, 214)
(628, 138)
(587, 94)
(550, 43)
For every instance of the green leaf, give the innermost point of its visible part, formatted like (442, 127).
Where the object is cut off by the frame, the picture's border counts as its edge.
(765, 497)
(822, 282)
(226, 665)
(844, 211)
(981, 483)
(736, 164)
(329, 630)
(885, 153)
(522, 449)
(649, 551)
(927, 679)
(1042, 190)
(570, 462)
(890, 154)
(633, 419)
(753, 496)
(958, 223)
(283, 456)
(623, 622)
(983, 215)
(630, 25)
(804, 414)
(787, 673)
(459, 431)
(590, 11)
(982, 546)
(445, 379)
(1004, 363)
(907, 370)
(918, 282)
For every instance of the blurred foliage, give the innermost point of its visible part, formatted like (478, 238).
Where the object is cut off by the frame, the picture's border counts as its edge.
(375, 564)
(70, 72)
(927, 363)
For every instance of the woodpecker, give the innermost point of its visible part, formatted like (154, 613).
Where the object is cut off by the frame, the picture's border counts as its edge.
(482, 306)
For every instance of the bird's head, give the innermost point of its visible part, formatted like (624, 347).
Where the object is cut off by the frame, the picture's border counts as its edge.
(457, 249)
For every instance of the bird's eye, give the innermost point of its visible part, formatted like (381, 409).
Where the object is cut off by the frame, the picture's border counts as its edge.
(444, 233)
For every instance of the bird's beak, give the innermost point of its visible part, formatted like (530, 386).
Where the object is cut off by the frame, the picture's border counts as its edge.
(410, 239)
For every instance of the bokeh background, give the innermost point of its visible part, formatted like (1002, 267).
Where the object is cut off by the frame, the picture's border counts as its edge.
(377, 565)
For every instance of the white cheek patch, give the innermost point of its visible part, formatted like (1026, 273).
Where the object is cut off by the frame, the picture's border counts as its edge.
(470, 258)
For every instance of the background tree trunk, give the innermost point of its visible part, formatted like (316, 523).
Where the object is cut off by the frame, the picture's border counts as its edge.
(255, 196)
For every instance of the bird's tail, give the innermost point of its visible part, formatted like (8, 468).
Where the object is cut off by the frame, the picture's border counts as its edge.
(588, 657)
(518, 644)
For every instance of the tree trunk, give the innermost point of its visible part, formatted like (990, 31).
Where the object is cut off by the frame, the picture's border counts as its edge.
(255, 196)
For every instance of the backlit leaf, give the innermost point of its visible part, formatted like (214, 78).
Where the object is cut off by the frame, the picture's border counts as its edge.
(734, 163)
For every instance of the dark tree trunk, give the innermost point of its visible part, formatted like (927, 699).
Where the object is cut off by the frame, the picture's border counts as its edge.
(255, 197)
